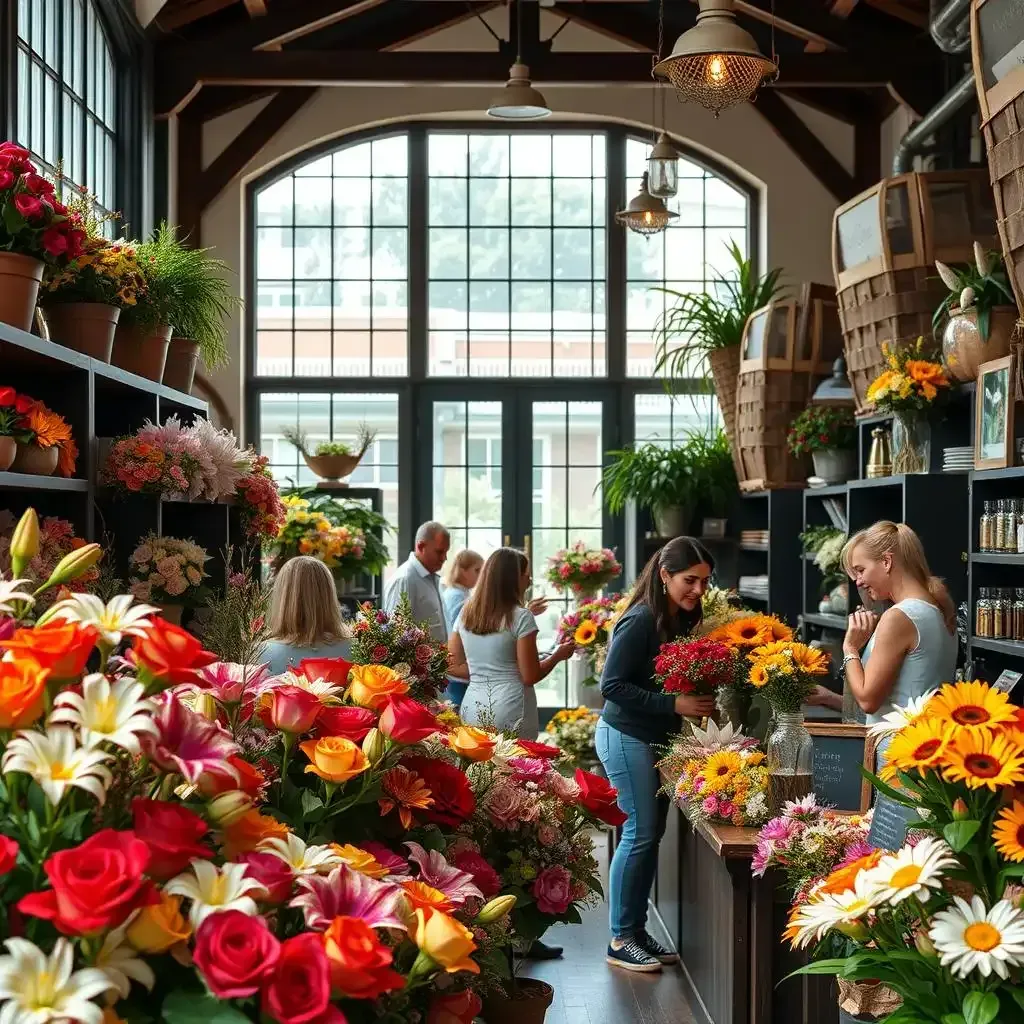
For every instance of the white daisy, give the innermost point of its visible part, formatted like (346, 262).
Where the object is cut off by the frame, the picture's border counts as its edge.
(969, 937)
(12, 600)
(213, 889)
(56, 761)
(37, 988)
(911, 871)
(302, 859)
(118, 618)
(116, 712)
(900, 717)
(120, 962)
(820, 915)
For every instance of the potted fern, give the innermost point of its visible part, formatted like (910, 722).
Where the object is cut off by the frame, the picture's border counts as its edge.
(703, 330)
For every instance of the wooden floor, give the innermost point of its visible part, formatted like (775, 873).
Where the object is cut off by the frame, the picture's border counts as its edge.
(589, 991)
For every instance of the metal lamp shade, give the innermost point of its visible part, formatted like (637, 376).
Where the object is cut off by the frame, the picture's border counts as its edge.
(717, 62)
(663, 168)
(519, 101)
(646, 214)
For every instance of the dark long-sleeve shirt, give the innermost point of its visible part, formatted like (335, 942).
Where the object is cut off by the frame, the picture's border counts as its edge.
(633, 703)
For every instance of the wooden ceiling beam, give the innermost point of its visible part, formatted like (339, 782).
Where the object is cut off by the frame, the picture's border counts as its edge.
(215, 101)
(179, 17)
(814, 21)
(256, 8)
(911, 16)
(846, 105)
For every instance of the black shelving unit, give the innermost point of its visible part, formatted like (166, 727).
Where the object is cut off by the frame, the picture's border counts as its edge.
(779, 513)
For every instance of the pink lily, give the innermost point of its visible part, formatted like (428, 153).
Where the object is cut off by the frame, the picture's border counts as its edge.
(396, 865)
(229, 683)
(457, 885)
(347, 893)
(188, 743)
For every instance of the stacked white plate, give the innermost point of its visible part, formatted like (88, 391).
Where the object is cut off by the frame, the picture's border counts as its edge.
(957, 460)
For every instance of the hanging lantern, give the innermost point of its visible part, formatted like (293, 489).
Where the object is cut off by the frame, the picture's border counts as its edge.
(717, 62)
(646, 214)
(519, 101)
(663, 168)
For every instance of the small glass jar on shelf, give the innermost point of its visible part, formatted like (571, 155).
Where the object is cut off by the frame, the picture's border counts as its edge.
(983, 613)
(1018, 615)
(986, 528)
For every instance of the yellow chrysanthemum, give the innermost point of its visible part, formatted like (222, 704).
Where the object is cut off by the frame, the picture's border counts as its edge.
(1009, 832)
(719, 769)
(921, 745)
(975, 706)
(981, 759)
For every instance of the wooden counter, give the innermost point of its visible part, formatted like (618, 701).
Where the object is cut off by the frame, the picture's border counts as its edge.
(727, 927)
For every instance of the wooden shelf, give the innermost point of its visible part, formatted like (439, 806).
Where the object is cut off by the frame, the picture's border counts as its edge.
(825, 620)
(32, 482)
(1014, 648)
(997, 558)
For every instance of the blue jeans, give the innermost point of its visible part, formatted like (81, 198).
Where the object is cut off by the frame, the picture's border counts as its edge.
(629, 763)
(456, 691)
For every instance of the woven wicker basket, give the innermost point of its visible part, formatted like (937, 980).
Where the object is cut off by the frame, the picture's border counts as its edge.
(725, 369)
(884, 246)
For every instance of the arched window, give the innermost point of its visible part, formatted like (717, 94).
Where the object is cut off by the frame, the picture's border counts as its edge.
(67, 102)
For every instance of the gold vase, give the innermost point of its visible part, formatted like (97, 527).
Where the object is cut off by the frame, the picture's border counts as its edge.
(880, 454)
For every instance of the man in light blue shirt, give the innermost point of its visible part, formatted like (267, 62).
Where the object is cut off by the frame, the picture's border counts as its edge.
(417, 578)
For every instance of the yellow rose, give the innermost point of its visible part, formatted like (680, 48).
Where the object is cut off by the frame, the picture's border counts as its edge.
(334, 758)
(371, 685)
(444, 940)
(159, 926)
(472, 744)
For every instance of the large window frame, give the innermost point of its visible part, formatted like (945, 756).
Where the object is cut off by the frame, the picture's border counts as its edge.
(412, 390)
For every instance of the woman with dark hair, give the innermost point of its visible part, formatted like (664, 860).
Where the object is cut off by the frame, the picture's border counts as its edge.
(496, 637)
(637, 718)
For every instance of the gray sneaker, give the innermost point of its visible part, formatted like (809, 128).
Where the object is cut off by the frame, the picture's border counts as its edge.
(631, 956)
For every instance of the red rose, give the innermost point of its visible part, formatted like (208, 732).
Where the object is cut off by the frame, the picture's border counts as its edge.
(95, 886)
(235, 953)
(454, 1008)
(8, 854)
(22, 404)
(351, 722)
(360, 964)
(290, 709)
(299, 989)
(172, 833)
(379, 653)
(453, 798)
(37, 185)
(7, 178)
(598, 796)
(29, 206)
(8, 396)
(271, 872)
(535, 749)
(487, 880)
(12, 151)
(406, 721)
(334, 670)
(170, 653)
(250, 780)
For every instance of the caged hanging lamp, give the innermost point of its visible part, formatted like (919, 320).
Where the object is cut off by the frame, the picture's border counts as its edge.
(717, 62)
(518, 101)
(663, 162)
(646, 214)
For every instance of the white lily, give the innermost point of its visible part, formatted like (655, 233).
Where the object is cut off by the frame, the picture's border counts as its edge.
(10, 596)
(716, 737)
(118, 618)
(967, 298)
(213, 889)
(56, 761)
(104, 711)
(121, 963)
(302, 859)
(948, 275)
(981, 259)
(36, 987)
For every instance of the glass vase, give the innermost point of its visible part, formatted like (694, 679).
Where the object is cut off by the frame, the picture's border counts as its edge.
(911, 443)
(790, 760)
(733, 706)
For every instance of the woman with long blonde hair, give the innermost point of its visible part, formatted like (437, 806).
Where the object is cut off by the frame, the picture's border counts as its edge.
(912, 647)
(305, 617)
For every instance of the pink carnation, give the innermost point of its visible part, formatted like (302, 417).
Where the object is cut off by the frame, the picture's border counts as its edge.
(710, 805)
(530, 769)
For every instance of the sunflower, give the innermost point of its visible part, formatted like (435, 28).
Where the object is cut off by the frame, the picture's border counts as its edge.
(920, 745)
(770, 649)
(775, 627)
(881, 384)
(1009, 832)
(980, 759)
(586, 633)
(759, 674)
(719, 769)
(810, 660)
(975, 706)
(748, 632)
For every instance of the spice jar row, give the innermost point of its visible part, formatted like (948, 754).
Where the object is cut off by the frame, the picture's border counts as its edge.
(1001, 527)
(999, 613)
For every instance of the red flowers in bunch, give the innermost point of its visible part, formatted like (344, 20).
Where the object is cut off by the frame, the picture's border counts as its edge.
(406, 721)
(170, 654)
(694, 666)
(172, 833)
(454, 801)
(599, 797)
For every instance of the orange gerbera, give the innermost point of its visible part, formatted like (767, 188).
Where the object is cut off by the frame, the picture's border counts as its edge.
(748, 632)
(844, 878)
(926, 372)
(983, 760)
(405, 790)
(427, 897)
(49, 428)
(1009, 832)
(249, 831)
(809, 660)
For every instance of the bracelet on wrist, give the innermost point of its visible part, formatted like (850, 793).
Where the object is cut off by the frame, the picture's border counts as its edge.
(847, 658)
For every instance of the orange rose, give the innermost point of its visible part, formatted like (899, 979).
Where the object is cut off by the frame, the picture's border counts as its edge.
(446, 941)
(472, 744)
(22, 692)
(371, 685)
(62, 647)
(249, 831)
(334, 758)
(159, 926)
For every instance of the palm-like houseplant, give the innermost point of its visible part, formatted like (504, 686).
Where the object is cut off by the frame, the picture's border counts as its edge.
(703, 330)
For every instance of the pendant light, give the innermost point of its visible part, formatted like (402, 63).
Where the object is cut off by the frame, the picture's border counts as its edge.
(519, 101)
(646, 214)
(717, 62)
(663, 163)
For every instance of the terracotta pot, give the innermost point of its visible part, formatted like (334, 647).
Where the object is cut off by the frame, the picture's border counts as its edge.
(528, 1006)
(182, 356)
(86, 327)
(964, 350)
(142, 350)
(20, 277)
(8, 449)
(332, 467)
(35, 460)
(172, 613)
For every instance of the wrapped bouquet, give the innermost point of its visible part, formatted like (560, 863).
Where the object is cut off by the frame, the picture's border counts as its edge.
(581, 570)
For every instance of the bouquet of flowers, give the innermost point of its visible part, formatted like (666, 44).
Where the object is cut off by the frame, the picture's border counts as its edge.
(589, 624)
(573, 731)
(169, 571)
(30, 421)
(104, 271)
(697, 666)
(786, 672)
(150, 465)
(401, 643)
(826, 544)
(259, 502)
(911, 381)
(719, 607)
(939, 921)
(581, 570)
(310, 532)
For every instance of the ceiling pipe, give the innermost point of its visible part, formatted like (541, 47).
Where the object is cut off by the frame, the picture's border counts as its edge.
(943, 111)
(950, 25)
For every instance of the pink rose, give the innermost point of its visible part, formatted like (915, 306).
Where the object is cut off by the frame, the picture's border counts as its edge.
(553, 890)
(547, 835)
(54, 241)
(7, 179)
(565, 572)
(567, 790)
(529, 769)
(710, 805)
(28, 206)
(505, 805)
(726, 809)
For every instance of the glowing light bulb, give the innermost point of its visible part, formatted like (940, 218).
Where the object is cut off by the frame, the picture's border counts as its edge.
(717, 70)
(648, 217)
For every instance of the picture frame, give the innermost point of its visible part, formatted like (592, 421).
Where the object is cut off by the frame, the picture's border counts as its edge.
(993, 415)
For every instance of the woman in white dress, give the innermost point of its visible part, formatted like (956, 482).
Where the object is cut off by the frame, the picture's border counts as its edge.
(496, 637)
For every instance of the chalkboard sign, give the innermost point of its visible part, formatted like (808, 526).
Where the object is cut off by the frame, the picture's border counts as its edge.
(889, 823)
(839, 751)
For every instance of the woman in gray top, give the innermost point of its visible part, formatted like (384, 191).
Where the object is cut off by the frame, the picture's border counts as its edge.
(496, 637)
